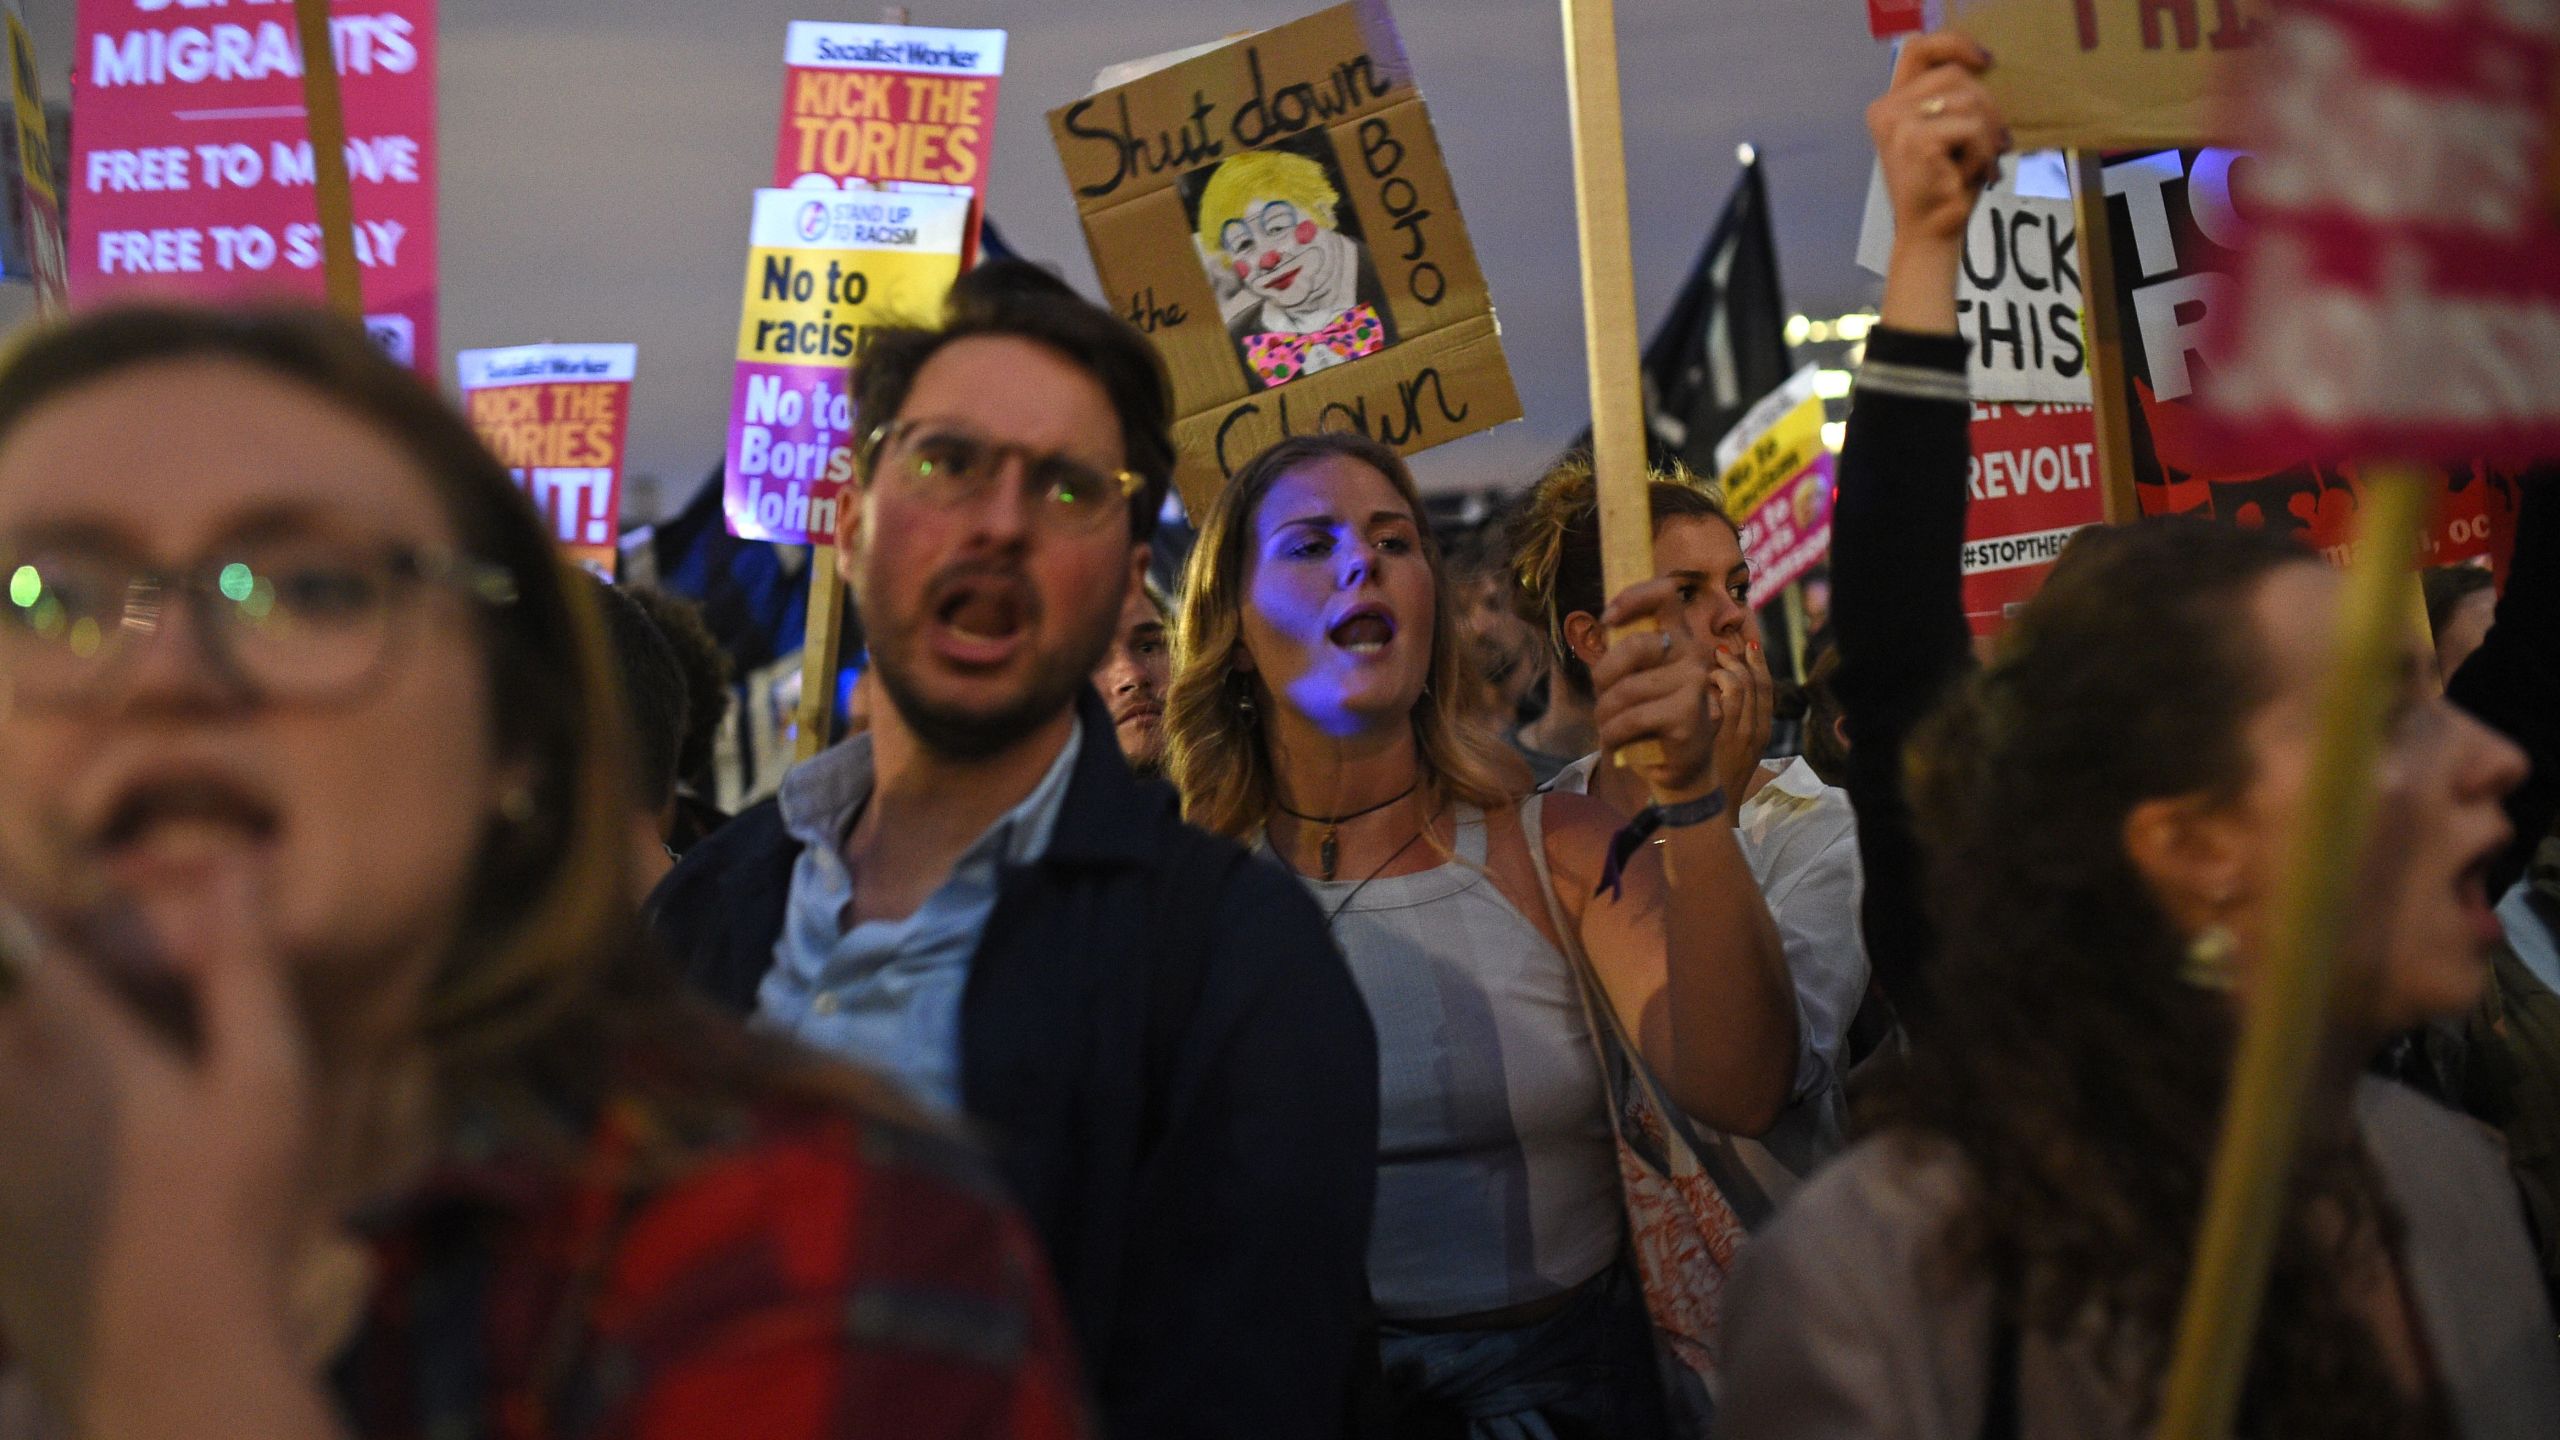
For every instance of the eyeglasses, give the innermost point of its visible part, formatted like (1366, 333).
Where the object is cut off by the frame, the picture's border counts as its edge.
(302, 619)
(950, 466)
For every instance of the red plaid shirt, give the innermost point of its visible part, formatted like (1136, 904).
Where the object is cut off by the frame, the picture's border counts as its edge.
(825, 1275)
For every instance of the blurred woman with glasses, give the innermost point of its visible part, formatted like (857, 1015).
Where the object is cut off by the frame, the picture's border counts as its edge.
(336, 1093)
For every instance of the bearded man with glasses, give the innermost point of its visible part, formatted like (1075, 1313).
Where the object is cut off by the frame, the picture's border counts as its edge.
(1152, 1031)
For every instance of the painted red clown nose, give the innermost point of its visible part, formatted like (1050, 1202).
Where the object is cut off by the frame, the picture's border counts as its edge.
(1270, 260)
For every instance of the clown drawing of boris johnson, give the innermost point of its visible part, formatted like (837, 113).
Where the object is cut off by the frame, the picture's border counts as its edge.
(1285, 255)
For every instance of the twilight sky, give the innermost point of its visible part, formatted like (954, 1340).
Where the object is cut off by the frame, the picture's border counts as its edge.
(598, 159)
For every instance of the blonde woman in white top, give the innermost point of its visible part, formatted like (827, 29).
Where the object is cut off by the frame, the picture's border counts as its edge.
(1319, 705)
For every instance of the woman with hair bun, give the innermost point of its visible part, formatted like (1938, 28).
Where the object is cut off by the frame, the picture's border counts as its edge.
(1795, 829)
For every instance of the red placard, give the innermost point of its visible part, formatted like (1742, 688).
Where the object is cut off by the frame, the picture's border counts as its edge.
(892, 107)
(558, 415)
(1888, 18)
(191, 160)
(2400, 292)
(2471, 514)
(2033, 484)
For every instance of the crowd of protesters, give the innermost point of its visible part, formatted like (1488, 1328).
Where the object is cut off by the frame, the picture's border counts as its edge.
(1374, 988)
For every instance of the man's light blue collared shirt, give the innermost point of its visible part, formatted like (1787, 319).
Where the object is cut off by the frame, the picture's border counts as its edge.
(886, 993)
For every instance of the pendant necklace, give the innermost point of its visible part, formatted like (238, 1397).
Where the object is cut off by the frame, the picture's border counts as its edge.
(1374, 874)
(1329, 848)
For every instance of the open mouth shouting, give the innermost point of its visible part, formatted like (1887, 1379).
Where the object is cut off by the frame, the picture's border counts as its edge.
(1364, 632)
(2471, 890)
(981, 620)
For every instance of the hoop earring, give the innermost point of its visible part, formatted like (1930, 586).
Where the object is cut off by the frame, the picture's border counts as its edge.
(516, 806)
(2213, 960)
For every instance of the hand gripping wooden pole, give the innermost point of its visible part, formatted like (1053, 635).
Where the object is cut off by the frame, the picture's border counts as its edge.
(328, 124)
(1609, 306)
(2288, 1016)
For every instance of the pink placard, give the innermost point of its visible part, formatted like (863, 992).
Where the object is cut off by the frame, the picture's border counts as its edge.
(1790, 533)
(2399, 290)
(191, 160)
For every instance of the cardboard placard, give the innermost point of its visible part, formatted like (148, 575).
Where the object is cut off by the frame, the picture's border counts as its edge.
(1777, 478)
(2018, 291)
(558, 415)
(1275, 214)
(822, 268)
(2111, 73)
(891, 107)
(192, 159)
(2399, 293)
(2031, 486)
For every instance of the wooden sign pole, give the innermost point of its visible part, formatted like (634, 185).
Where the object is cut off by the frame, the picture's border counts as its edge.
(2288, 1014)
(328, 124)
(1799, 633)
(1610, 339)
(821, 647)
(2103, 328)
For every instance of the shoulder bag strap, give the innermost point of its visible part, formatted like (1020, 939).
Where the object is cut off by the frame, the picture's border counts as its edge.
(1749, 1199)
(1596, 1009)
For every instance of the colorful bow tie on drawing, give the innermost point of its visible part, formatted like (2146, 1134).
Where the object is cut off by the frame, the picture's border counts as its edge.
(1279, 357)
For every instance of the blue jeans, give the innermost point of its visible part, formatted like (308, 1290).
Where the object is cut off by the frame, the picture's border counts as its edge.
(1584, 1373)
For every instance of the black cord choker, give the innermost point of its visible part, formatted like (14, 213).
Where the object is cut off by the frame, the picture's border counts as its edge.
(1329, 848)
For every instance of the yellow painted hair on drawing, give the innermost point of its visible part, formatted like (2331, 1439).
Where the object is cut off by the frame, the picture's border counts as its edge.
(1257, 179)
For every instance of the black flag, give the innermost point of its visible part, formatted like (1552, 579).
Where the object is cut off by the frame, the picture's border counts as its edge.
(1724, 344)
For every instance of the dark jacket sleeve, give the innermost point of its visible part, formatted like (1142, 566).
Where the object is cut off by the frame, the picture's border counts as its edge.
(717, 915)
(2512, 682)
(1897, 548)
(1246, 1310)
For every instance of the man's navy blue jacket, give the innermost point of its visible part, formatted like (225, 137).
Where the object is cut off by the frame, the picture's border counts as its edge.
(1169, 1061)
